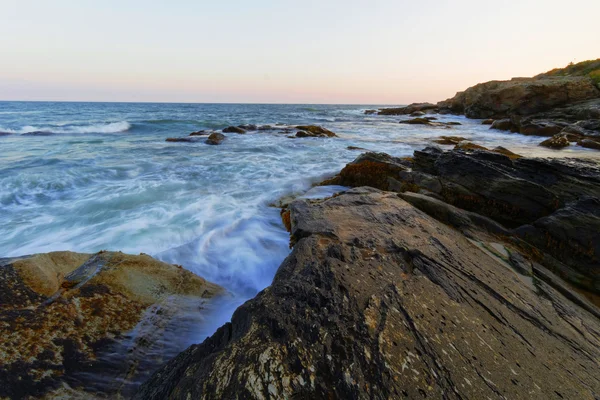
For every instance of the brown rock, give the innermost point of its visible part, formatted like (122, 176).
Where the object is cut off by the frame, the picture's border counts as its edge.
(449, 140)
(234, 129)
(215, 138)
(488, 121)
(314, 131)
(59, 310)
(556, 142)
(590, 143)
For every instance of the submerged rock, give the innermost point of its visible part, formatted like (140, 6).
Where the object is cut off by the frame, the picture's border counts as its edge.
(215, 138)
(234, 129)
(380, 300)
(59, 310)
(185, 139)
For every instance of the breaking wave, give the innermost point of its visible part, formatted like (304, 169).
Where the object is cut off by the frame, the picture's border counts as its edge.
(112, 127)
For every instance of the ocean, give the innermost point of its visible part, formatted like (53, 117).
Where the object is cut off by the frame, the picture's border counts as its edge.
(99, 176)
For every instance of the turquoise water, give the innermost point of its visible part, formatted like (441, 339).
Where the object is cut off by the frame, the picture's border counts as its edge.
(93, 176)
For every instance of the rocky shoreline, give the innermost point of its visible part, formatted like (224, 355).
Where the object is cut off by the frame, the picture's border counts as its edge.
(563, 104)
(451, 274)
(69, 321)
(436, 277)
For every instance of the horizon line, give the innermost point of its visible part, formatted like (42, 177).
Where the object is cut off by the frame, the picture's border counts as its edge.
(202, 102)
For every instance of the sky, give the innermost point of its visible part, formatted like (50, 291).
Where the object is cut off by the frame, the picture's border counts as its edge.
(283, 51)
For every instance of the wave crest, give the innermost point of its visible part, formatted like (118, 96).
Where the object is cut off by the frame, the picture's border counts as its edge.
(112, 127)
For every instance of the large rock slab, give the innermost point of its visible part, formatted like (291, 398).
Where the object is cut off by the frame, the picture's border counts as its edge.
(379, 300)
(59, 311)
(537, 200)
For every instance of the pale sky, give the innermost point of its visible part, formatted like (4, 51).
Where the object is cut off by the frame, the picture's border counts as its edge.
(278, 51)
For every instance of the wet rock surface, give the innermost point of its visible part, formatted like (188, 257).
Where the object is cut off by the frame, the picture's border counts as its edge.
(65, 319)
(313, 131)
(215, 138)
(380, 300)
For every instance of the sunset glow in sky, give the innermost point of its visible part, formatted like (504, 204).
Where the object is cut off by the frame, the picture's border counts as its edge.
(268, 51)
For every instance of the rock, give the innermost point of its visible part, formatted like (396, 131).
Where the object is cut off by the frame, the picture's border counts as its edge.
(314, 131)
(521, 96)
(379, 300)
(186, 139)
(556, 142)
(589, 143)
(468, 223)
(466, 145)
(511, 190)
(503, 125)
(417, 113)
(488, 121)
(370, 112)
(234, 129)
(453, 140)
(356, 148)
(267, 128)
(572, 236)
(411, 108)
(247, 127)
(215, 138)
(59, 311)
(506, 152)
(416, 121)
(370, 169)
(540, 128)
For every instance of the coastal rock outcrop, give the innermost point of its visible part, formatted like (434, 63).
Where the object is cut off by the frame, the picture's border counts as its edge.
(410, 109)
(521, 96)
(510, 190)
(380, 300)
(59, 311)
(564, 100)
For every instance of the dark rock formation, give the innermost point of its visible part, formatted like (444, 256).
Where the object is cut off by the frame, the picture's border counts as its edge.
(248, 127)
(234, 129)
(215, 138)
(589, 143)
(410, 109)
(488, 121)
(59, 311)
(379, 300)
(185, 139)
(314, 131)
(428, 121)
(504, 125)
(502, 186)
(453, 140)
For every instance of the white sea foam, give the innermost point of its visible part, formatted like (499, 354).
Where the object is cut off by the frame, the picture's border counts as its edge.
(112, 127)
